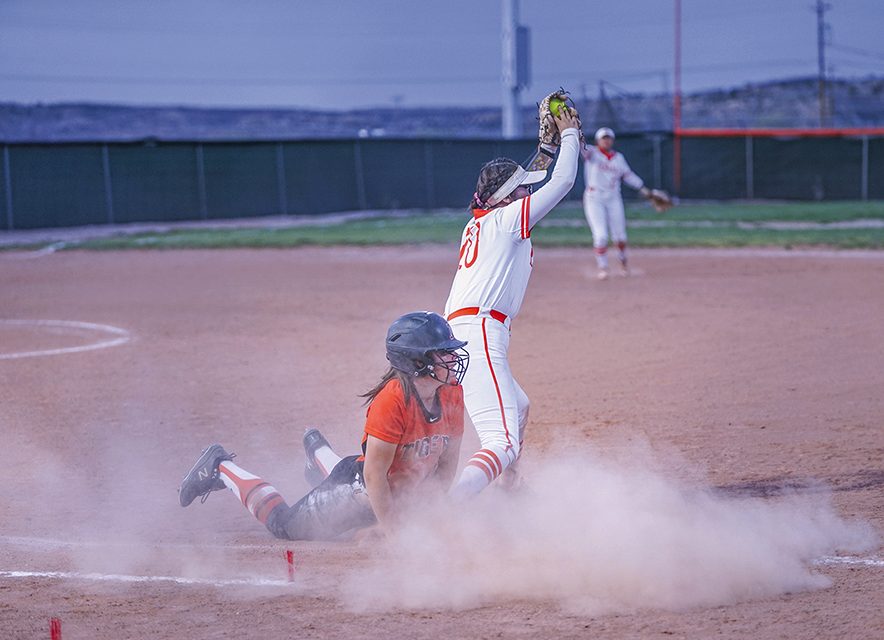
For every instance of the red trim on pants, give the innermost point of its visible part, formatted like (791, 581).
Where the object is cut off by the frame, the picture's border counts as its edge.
(474, 311)
(496, 386)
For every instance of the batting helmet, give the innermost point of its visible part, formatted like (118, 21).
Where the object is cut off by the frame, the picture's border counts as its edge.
(414, 337)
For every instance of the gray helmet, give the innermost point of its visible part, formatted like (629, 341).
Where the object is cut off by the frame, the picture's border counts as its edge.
(414, 337)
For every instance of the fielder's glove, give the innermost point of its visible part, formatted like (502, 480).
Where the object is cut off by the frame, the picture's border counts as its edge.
(549, 133)
(659, 199)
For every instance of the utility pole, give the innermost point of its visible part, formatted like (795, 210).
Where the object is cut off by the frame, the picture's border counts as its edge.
(676, 103)
(516, 67)
(821, 32)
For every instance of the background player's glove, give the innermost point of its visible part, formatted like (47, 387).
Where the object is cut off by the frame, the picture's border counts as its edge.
(658, 198)
(549, 135)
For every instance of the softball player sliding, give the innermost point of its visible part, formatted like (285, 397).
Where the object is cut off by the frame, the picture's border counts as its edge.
(496, 258)
(410, 445)
(603, 170)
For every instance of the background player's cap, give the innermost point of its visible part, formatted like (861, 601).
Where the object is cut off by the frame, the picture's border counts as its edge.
(604, 132)
(520, 176)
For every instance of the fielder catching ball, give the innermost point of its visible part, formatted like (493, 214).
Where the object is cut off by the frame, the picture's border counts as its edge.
(603, 171)
(410, 445)
(495, 262)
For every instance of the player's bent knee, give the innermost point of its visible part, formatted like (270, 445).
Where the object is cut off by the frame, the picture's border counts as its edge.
(279, 522)
(524, 410)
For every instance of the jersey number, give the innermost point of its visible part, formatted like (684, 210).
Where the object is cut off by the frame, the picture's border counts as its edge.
(469, 250)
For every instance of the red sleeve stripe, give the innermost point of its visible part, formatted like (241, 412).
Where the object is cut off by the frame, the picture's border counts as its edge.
(522, 220)
(526, 217)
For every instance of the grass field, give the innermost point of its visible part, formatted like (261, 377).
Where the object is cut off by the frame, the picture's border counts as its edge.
(844, 225)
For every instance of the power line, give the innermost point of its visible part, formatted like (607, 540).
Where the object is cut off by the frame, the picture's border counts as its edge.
(857, 51)
(259, 82)
(296, 81)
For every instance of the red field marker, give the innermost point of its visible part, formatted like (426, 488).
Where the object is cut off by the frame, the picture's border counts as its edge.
(290, 560)
(55, 628)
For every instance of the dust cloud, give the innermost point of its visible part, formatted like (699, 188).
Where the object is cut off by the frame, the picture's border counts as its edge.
(601, 534)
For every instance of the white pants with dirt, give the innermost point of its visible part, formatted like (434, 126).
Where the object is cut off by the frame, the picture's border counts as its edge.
(496, 404)
(604, 214)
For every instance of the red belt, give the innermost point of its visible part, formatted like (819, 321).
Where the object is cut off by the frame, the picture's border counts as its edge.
(474, 311)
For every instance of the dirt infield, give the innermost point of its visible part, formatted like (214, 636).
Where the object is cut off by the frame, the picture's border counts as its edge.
(756, 373)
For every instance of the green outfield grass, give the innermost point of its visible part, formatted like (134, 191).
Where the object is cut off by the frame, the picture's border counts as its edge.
(688, 225)
(819, 212)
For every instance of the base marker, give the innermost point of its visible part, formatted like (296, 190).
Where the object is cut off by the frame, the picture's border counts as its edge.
(290, 561)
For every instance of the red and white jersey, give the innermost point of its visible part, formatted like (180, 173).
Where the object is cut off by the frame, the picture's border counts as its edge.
(496, 256)
(604, 170)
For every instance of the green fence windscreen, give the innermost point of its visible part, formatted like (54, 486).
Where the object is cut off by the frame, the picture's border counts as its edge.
(241, 180)
(322, 177)
(56, 186)
(713, 168)
(876, 169)
(807, 169)
(154, 182)
(78, 184)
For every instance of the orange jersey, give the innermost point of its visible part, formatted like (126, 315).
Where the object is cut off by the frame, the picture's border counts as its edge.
(420, 442)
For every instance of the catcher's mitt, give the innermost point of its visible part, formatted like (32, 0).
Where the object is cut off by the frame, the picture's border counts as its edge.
(660, 200)
(549, 132)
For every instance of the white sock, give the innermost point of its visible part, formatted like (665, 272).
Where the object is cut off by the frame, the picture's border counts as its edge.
(237, 472)
(258, 496)
(327, 459)
(471, 482)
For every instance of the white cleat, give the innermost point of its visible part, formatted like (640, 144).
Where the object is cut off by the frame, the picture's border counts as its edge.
(602, 274)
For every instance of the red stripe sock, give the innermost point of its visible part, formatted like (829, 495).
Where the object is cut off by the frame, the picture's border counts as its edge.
(258, 496)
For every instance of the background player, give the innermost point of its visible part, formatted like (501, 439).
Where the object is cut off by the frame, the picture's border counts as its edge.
(496, 258)
(410, 445)
(603, 171)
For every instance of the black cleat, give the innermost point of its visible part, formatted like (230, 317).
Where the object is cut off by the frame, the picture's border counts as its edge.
(204, 477)
(313, 472)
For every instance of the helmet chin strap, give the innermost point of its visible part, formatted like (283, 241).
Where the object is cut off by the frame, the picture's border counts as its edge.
(431, 372)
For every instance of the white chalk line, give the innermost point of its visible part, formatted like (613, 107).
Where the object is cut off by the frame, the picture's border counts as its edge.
(869, 562)
(123, 337)
(264, 582)
(51, 543)
(113, 577)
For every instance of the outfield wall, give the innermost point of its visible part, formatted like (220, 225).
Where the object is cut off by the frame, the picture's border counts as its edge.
(73, 184)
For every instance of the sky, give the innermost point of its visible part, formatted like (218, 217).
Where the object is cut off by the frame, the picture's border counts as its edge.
(346, 54)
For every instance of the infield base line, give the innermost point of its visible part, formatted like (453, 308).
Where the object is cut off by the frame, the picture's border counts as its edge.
(112, 577)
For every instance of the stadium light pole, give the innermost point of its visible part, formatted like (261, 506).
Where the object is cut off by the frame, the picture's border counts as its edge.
(511, 128)
(821, 28)
(676, 103)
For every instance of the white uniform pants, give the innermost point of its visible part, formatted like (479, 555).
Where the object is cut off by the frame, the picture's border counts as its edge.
(605, 214)
(497, 405)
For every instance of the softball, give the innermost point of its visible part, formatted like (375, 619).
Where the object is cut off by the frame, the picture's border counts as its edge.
(555, 106)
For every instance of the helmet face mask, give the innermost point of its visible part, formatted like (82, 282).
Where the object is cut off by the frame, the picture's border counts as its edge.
(413, 339)
(455, 365)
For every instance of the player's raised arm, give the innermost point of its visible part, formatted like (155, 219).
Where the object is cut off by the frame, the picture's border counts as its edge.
(565, 171)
